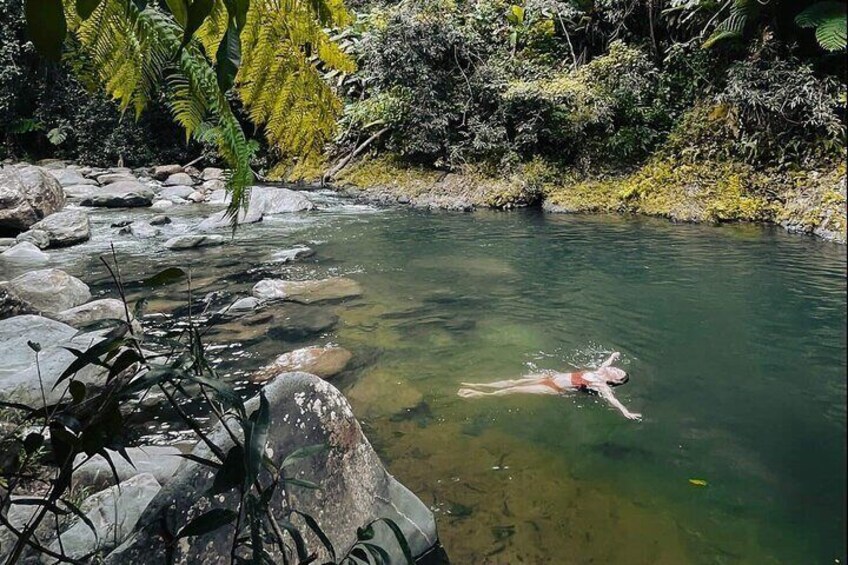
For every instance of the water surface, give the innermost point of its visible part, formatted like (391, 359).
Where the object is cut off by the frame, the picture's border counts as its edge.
(734, 338)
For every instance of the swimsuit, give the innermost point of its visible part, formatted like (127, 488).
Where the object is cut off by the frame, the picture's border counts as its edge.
(577, 380)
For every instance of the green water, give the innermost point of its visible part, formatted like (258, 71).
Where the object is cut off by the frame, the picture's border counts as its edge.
(734, 338)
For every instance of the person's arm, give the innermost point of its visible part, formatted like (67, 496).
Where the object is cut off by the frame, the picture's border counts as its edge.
(606, 393)
(612, 359)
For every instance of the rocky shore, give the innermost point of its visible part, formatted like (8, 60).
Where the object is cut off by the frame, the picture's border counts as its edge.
(45, 208)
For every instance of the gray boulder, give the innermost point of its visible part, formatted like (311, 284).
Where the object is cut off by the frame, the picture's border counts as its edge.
(39, 238)
(307, 292)
(212, 173)
(160, 220)
(178, 179)
(25, 252)
(193, 241)
(161, 461)
(11, 305)
(103, 309)
(244, 305)
(143, 230)
(324, 362)
(27, 194)
(161, 205)
(221, 220)
(268, 200)
(210, 186)
(162, 172)
(21, 377)
(355, 487)
(113, 512)
(80, 191)
(65, 228)
(179, 191)
(123, 194)
(70, 177)
(50, 290)
(112, 178)
(196, 196)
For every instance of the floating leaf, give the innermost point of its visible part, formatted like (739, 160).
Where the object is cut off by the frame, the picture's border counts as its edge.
(698, 482)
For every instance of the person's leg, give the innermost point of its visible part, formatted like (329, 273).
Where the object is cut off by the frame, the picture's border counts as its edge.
(522, 389)
(526, 379)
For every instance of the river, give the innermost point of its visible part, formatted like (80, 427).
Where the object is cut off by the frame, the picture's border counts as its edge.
(734, 338)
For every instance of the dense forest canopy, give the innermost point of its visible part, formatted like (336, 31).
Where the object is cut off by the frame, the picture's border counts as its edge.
(601, 84)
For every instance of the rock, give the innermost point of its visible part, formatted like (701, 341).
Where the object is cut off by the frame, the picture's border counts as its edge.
(80, 191)
(213, 185)
(293, 254)
(181, 192)
(160, 220)
(196, 196)
(84, 314)
(222, 221)
(121, 224)
(39, 238)
(11, 305)
(162, 172)
(21, 377)
(70, 177)
(124, 194)
(161, 205)
(212, 173)
(178, 179)
(325, 362)
(65, 228)
(27, 195)
(192, 171)
(243, 305)
(218, 196)
(112, 178)
(355, 488)
(307, 292)
(161, 461)
(50, 290)
(294, 323)
(193, 241)
(113, 512)
(143, 230)
(268, 200)
(25, 252)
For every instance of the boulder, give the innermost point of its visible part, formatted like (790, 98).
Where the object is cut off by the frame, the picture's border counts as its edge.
(181, 192)
(160, 220)
(70, 177)
(293, 254)
(25, 252)
(210, 186)
(80, 191)
(162, 172)
(143, 230)
(112, 178)
(193, 241)
(65, 228)
(355, 488)
(124, 194)
(50, 290)
(39, 238)
(196, 196)
(212, 173)
(113, 512)
(161, 205)
(325, 362)
(27, 194)
(21, 377)
(307, 292)
(268, 200)
(161, 461)
(295, 322)
(84, 314)
(243, 305)
(11, 305)
(178, 179)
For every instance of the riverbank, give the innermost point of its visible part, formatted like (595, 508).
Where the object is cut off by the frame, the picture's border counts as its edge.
(803, 201)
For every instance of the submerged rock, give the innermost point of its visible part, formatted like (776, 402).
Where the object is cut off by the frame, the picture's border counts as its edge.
(50, 290)
(25, 252)
(325, 362)
(355, 488)
(65, 228)
(293, 254)
(193, 241)
(113, 512)
(307, 292)
(160, 220)
(123, 194)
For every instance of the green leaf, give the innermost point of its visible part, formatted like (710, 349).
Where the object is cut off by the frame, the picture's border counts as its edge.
(313, 525)
(832, 34)
(33, 442)
(698, 482)
(228, 57)
(230, 473)
(77, 390)
(198, 11)
(401, 539)
(207, 522)
(238, 10)
(179, 10)
(299, 543)
(46, 26)
(256, 436)
(302, 483)
(302, 453)
(830, 22)
(168, 276)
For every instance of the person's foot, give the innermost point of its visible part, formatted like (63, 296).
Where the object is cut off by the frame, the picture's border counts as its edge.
(468, 393)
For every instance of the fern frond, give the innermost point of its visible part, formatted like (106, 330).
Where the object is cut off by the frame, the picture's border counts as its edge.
(742, 12)
(830, 22)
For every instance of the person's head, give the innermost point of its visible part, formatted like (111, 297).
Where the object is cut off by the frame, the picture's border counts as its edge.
(613, 375)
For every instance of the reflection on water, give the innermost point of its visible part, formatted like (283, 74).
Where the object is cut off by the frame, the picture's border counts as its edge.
(734, 338)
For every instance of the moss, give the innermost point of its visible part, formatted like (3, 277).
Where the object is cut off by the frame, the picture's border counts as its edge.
(389, 172)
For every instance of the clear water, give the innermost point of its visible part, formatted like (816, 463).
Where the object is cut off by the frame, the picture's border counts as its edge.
(734, 337)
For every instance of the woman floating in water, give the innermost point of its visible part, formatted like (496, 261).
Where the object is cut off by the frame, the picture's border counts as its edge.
(600, 381)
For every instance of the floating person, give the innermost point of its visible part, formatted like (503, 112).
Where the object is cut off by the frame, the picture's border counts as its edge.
(599, 381)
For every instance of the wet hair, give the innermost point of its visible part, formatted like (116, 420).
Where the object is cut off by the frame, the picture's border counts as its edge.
(617, 382)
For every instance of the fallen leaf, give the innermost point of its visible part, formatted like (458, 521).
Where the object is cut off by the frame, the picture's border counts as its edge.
(698, 482)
